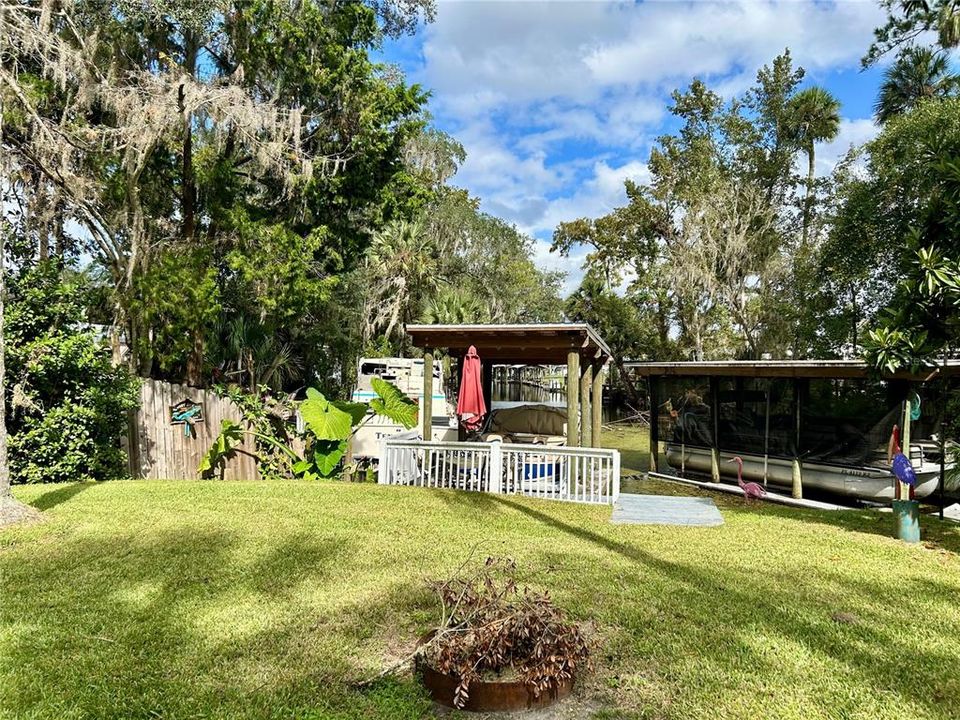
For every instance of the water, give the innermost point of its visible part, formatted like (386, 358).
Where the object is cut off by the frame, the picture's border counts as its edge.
(512, 394)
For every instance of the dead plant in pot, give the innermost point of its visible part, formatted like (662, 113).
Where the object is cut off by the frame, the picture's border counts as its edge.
(492, 631)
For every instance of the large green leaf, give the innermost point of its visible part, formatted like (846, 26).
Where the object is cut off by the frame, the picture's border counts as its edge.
(327, 455)
(393, 404)
(324, 419)
(223, 447)
(356, 411)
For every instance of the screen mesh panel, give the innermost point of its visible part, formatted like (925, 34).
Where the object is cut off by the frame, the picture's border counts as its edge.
(756, 416)
(848, 421)
(684, 414)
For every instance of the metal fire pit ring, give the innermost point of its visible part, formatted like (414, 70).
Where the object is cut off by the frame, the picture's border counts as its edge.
(486, 696)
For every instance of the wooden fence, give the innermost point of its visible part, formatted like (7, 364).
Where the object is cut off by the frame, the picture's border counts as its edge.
(157, 446)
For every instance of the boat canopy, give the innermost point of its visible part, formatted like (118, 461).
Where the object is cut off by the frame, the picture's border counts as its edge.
(519, 344)
(835, 369)
(576, 345)
(831, 412)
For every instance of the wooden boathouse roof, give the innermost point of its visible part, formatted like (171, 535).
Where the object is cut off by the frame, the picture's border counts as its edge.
(542, 343)
(833, 369)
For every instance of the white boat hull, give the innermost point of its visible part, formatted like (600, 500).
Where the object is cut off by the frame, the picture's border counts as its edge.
(865, 482)
(366, 442)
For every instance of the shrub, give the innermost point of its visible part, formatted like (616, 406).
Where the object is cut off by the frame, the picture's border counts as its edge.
(67, 405)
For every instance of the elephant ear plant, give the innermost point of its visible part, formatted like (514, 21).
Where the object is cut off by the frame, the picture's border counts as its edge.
(329, 425)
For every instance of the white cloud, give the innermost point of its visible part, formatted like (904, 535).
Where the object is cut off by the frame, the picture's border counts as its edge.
(853, 133)
(557, 102)
(603, 192)
(597, 196)
(676, 41)
(571, 265)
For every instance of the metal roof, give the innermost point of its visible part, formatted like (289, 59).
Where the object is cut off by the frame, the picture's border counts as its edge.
(783, 368)
(546, 343)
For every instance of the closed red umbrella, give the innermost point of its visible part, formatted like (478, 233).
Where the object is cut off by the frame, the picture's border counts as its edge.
(470, 405)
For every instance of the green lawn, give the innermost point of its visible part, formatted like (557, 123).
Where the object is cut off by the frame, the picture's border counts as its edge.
(634, 445)
(220, 600)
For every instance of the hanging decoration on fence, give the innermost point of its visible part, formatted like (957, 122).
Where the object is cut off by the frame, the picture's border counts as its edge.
(187, 412)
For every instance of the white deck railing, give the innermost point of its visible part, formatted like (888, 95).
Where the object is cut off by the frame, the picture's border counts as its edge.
(586, 475)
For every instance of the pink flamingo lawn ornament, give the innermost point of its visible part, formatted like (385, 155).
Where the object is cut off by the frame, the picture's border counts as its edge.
(751, 490)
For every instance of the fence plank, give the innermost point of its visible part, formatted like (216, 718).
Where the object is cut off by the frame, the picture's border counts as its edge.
(159, 437)
(161, 450)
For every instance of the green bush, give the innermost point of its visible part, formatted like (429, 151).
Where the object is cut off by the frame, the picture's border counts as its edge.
(66, 402)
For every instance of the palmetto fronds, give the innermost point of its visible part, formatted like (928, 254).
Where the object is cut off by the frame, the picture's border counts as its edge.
(918, 74)
(401, 268)
(453, 306)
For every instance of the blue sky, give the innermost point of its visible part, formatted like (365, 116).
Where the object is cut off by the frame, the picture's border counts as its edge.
(558, 102)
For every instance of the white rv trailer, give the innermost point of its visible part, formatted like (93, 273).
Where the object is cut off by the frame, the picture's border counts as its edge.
(407, 375)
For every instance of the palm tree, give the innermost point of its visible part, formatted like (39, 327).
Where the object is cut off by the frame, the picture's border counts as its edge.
(949, 29)
(402, 267)
(918, 74)
(248, 352)
(453, 306)
(814, 116)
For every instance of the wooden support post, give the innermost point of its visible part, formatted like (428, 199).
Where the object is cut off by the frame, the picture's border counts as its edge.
(905, 445)
(586, 384)
(797, 467)
(486, 376)
(596, 417)
(573, 395)
(715, 413)
(426, 407)
(653, 386)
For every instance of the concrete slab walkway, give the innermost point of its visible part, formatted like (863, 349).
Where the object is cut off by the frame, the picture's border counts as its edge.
(665, 510)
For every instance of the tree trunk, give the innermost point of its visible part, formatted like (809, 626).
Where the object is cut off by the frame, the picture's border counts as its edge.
(194, 371)
(41, 213)
(628, 383)
(188, 203)
(808, 200)
(853, 323)
(5, 494)
(663, 323)
(59, 232)
(697, 337)
(801, 254)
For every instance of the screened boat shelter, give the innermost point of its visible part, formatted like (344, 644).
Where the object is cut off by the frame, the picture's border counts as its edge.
(576, 345)
(787, 413)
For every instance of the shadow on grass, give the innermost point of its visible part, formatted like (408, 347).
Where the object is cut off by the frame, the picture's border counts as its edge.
(729, 609)
(52, 498)
(187, 623)
(202, 621)
(935, 534)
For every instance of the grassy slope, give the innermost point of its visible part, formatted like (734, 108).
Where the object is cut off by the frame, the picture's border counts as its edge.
(207, 599)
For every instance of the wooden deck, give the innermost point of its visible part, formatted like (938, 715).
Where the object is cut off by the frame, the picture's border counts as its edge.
(633, 509)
